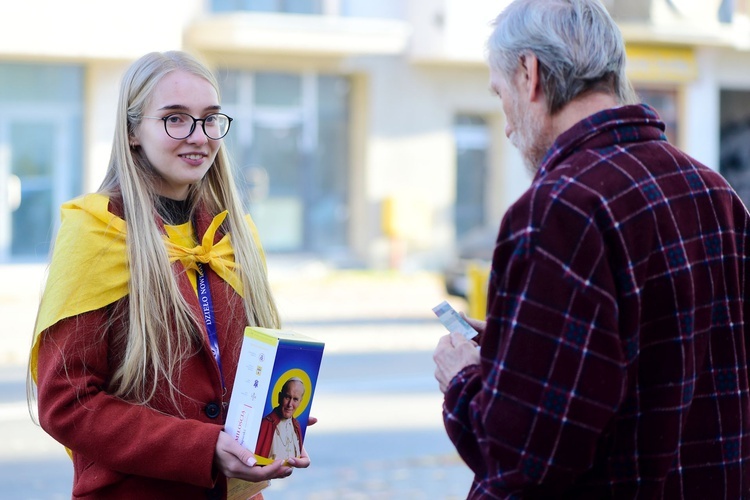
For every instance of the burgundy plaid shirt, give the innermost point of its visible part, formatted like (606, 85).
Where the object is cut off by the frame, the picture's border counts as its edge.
(614, 362)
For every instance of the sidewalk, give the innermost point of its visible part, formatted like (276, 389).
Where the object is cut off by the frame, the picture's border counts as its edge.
(312, 298)
(19, 300)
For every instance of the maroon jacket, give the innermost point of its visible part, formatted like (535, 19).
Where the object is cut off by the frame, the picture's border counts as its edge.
(123, 450)
(614, 363)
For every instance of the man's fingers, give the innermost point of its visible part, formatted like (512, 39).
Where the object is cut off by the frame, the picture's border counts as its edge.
(443, 343)
(457, 339)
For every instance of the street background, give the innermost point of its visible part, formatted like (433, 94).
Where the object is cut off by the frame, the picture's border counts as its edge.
(380, 433)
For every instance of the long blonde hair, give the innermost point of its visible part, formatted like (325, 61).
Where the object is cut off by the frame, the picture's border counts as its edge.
(157, 343)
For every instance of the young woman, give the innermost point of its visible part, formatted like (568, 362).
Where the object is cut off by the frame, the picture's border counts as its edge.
(152, 281)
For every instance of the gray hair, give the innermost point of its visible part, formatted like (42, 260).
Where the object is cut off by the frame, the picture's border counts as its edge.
(293, 379)
(579, 48)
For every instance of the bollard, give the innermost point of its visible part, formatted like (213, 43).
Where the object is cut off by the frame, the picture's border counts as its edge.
(476, 293)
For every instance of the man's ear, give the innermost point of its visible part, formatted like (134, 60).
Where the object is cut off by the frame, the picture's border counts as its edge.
(530, 77)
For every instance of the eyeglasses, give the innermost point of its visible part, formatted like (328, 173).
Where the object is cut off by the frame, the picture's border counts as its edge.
(181, 125)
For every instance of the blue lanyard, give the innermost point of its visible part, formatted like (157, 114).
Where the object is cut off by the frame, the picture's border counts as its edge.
(207, 306)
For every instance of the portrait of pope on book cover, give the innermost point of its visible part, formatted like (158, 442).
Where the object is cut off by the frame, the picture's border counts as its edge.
(280, 433)
(273, 391)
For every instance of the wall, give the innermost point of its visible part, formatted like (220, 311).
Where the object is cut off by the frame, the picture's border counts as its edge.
(84, 29)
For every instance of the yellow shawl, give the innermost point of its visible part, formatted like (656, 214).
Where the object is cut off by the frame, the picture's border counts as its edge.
(91, 244)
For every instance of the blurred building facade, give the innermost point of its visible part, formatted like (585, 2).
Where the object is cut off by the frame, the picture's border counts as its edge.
(364, 132)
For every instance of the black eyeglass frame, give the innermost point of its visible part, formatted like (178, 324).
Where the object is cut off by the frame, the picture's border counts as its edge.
(192, 127)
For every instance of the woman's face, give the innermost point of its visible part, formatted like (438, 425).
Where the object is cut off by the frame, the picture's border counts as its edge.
(182, 162)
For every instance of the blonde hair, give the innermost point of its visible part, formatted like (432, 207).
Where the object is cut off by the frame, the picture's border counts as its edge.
(156, 343)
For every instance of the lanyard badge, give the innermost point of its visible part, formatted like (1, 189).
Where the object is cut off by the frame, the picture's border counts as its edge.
(207, 306)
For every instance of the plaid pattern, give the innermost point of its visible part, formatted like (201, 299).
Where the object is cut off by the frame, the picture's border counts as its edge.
(614, 362)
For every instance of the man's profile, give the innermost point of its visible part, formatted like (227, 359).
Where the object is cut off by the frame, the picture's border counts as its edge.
(280, 433)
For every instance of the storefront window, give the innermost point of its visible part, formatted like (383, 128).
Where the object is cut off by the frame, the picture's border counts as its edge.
(284, 6)
(472, 142)
(291, 144)
(734, 141)
(40, 154)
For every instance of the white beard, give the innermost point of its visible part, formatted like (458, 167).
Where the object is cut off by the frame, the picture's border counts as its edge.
(528, 137)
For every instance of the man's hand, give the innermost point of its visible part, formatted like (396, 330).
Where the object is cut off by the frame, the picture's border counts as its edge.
(234, 460)
(477, 324)
(452, 354)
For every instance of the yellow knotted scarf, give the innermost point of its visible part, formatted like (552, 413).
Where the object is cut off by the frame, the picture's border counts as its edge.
(219, 255)
(89, 267)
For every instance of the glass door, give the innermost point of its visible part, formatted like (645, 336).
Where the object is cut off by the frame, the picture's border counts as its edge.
(290, 140)
(41, 108)
(472, 141)
(276, 150)
(35, 167)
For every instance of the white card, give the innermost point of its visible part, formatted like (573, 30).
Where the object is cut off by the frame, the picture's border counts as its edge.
(453, 321)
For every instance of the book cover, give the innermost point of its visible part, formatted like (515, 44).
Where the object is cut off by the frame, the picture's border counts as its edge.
(273, 391)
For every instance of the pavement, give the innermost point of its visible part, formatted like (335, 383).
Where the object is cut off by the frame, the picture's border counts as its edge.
(372, 323)
(309, 294)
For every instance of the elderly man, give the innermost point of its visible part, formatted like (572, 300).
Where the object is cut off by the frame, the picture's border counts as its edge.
(613, 359)
(280, 433)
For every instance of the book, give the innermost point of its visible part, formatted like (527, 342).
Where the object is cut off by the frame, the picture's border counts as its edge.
(269, 407)
(237, 489)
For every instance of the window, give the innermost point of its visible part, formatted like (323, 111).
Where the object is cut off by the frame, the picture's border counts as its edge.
(284, 6)
(734, 140)
(380, 9)
(40, 154)
(472, 142)
(290, 142)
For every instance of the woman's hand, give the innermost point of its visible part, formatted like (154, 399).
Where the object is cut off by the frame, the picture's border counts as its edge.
(234, 460)
(300, 462)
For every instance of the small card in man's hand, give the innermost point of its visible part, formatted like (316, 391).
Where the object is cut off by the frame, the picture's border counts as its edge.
(453, 321)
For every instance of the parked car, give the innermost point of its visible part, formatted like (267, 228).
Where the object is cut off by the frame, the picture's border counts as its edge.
(474, 248)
